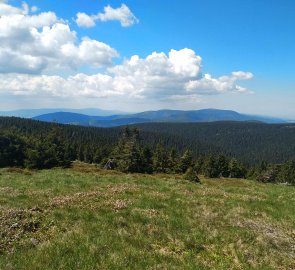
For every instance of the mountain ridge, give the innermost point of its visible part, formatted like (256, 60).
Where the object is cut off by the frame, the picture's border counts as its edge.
(177, 116)
(30, 113)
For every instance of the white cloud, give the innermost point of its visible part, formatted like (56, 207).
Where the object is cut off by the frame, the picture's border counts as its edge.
(89, 52)
(20, 63)
(79, 85)
(159, 75)
(6, 9)
(122, 14)
(173, 77)
(211, 86)
(83, 20)
(34, 43)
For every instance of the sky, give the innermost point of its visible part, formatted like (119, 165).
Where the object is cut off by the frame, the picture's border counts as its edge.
(141, 55)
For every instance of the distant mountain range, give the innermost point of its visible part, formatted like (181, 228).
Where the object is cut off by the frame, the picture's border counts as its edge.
(195, 116)
(30, 113)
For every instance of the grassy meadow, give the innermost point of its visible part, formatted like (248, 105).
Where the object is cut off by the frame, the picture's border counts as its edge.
(87, 218)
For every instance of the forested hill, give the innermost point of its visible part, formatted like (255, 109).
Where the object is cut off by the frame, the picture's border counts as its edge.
(249, 142)
(91, 139)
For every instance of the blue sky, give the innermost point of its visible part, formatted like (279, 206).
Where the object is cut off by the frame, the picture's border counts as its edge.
(247, 47)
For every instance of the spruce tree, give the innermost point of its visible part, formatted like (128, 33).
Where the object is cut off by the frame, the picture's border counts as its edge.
(160, 159)
(146, 160)
(12, 148)
(126, 154)
(211, 167)
(173, 161)
(186, 161)
(287, 172)
(199, 165)
(222, 165)
(236, 169)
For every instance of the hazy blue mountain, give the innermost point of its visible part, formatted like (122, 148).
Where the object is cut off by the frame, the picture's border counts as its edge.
(73, 118)
(207, 115)
(30, 113)
(88, 120)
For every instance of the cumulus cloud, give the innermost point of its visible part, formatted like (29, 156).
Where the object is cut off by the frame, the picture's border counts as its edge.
(122, 14)
(6, 9)
(208, 85)
(84, 20)
(98, 85)
(176, 76)
(159, 74)
(33, 43)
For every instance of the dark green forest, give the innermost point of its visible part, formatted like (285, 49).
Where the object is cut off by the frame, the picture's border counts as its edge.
(251, 142)
(222, 149)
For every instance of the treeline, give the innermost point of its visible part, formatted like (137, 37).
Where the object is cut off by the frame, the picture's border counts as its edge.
(57, 147)
(91, 139)
(34, 144)
(250, 142)
(130, 156)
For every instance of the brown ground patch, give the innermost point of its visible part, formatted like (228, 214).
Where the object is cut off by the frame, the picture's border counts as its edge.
(18, 170)
(9, 191)
(70, 199)
(17, 224)
(118, 205)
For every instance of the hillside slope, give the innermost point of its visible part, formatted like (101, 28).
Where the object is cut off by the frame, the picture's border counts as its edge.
(249, 142)
(84, 218)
